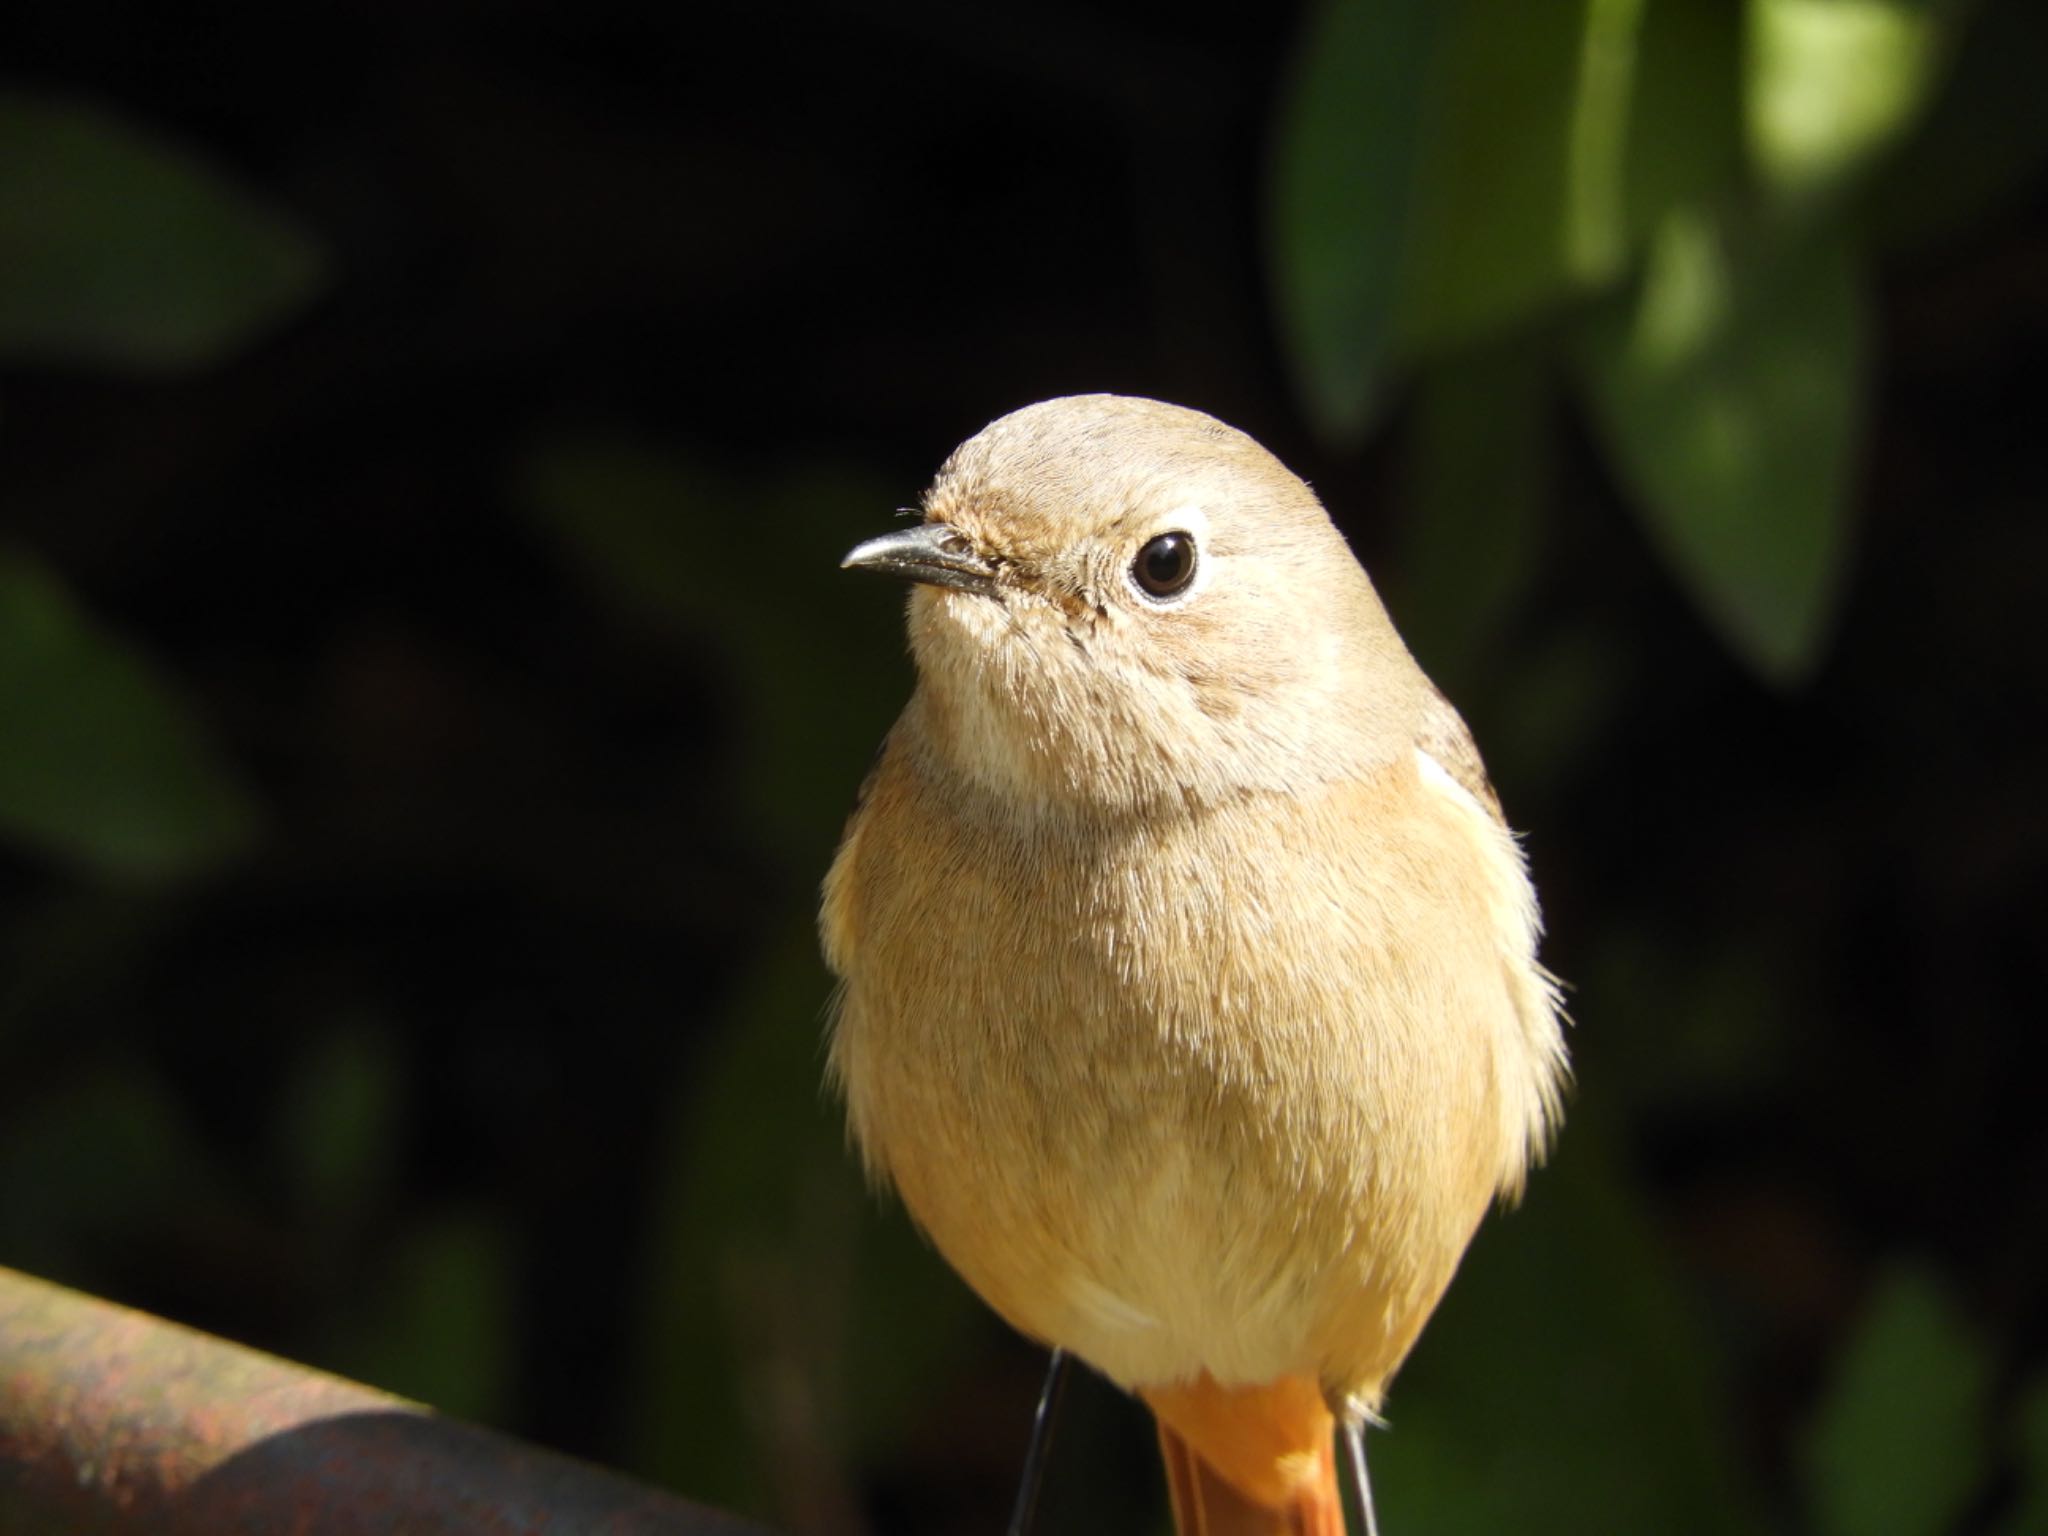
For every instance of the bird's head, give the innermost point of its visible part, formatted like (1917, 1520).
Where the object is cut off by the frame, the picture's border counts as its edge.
(1123, 604)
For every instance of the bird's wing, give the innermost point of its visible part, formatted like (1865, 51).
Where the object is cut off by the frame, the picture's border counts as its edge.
(1442, 733)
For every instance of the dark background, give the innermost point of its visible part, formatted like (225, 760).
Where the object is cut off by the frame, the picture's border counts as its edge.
(433, 703)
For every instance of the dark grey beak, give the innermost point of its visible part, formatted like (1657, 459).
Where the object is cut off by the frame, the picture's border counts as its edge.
(933, 553)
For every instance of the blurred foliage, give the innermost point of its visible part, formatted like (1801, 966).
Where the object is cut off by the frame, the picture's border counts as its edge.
(106, 1155)
(118, 249)
(765, 1262)
(425, 714)
(438, 1324)
(1899, 1447)
(1728, 402)
(2032, 1421)
(1577, 1295)
(105, 765)
(1661, 188)
(337, 1120)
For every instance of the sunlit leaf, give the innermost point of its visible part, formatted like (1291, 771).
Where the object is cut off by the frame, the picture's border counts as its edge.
(1521, 197)
(1832, 83)
(104, 765)
(1898, 1445)
(1446, 170)
(119, 248)
(1729, 394)
(1566, 1335)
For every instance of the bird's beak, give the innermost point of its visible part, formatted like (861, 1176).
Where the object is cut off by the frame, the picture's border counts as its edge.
(936, 554)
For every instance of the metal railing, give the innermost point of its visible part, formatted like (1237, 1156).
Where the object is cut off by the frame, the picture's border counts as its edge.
(114, 1422)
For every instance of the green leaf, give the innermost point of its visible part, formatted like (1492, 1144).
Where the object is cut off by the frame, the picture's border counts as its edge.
(1831, 84)
(1447, 170)
(1984, 140)
(2030, 1420)
(1344, 187)
(1729, 395)
(1479, 465)
(1559, 694)
(337, 1120)
(794, 1326)
(1566, 1334)
(1726, 1030)
(102, 1158)
(103, 763)
(439, 1325)
(1898, 1446)
(751, 570)
(1684, 136)
(119, 249)
(1522, 199)
(751, 1133)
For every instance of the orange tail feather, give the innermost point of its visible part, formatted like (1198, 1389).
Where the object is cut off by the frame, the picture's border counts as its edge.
(1249, 1461)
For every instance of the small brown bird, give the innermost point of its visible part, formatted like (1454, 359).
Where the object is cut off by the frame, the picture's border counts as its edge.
(1190, 995)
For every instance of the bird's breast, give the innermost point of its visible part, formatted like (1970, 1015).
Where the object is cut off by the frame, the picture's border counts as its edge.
(1173, 1091)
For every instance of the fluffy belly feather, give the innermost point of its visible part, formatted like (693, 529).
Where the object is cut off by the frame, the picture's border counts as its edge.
(1154, 1111)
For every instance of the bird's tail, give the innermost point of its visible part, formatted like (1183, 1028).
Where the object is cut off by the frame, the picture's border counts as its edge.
(1249, 1461)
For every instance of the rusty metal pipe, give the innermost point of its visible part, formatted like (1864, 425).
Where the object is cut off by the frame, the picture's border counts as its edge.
(116, 1423)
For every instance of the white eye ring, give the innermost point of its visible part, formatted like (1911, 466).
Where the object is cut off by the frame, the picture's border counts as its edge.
(1171, 563)
(1165, 565)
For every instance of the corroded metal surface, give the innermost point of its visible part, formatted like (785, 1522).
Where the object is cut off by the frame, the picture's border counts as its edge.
(112, 1421)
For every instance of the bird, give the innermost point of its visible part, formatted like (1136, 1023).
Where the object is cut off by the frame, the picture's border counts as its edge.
(1187, 981)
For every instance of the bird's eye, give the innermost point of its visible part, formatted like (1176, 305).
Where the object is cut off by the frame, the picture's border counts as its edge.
(1165, 565)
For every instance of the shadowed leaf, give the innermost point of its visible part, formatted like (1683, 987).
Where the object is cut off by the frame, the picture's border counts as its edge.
(118, 249)
(1684, 134)
(337, 1121)
(1983, 140)
(105, 766)
(1344, 188)
(751, 570)
(791, 1318)
(440, 1323)
(1479, 466)
(2030, 1419)
(788, 1318)
(1565, 1336)
(105, 1155)
(1897, 1448)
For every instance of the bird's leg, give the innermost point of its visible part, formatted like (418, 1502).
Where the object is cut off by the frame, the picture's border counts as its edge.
(1354, 1443)
(1025, 1511)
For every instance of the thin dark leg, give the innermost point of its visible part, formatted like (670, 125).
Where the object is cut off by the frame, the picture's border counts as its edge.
(1354, 1443)
(1025, 1511)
